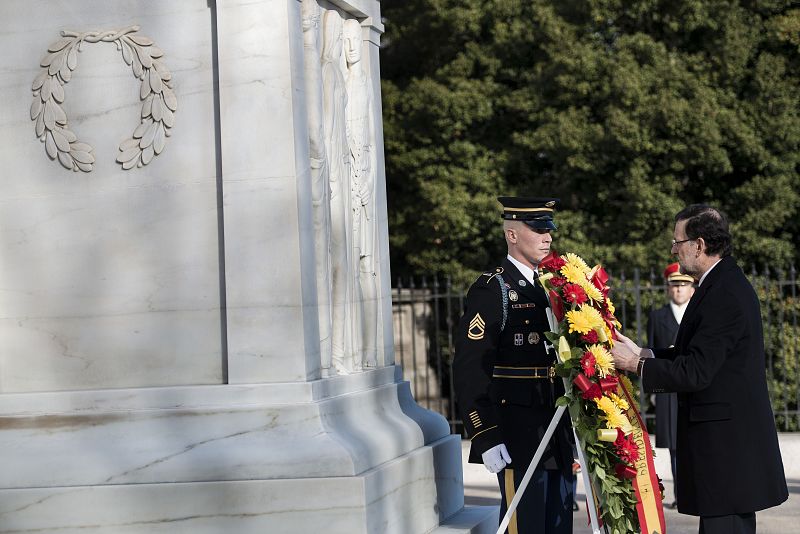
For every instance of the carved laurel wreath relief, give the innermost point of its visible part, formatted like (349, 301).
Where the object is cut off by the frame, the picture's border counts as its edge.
(158, 107)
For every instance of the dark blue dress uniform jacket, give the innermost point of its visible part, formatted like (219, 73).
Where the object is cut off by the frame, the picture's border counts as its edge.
(728, 456)
(496, 403)
(661, 331)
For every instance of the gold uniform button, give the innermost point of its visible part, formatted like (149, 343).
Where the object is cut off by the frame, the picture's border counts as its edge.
(502, 401)
(527, 321)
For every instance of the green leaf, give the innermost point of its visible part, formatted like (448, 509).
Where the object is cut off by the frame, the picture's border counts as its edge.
(600, 472)
(552, 337)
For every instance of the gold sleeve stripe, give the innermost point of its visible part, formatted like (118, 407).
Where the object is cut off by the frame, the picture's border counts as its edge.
(477, 321)
(482, 431)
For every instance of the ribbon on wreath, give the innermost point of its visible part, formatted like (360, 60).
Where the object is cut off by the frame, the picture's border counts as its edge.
(645, 480)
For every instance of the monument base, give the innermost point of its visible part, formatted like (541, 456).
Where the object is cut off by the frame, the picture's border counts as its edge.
(350, 454)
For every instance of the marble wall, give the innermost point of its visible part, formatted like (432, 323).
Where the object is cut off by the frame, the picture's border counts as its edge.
(109, 278)
(199, 265)
(162, 364)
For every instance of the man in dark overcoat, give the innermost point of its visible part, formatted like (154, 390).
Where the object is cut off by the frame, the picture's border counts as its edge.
(505, 383)
(662, 327)
(729, 463)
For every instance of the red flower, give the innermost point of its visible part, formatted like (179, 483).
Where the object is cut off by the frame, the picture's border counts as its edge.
(558, 281)
(590, 337)
(627, 449)
(552, 262)
(594, 392)
(589, 364)
(557, 305)
(574, 294)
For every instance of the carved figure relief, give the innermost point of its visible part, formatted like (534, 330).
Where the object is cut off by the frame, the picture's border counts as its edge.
(320, 186)
(363, 165)
(158, 106)
(343, 295)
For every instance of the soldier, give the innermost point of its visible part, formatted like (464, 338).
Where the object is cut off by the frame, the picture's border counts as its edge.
(662, 327)
(504, 379)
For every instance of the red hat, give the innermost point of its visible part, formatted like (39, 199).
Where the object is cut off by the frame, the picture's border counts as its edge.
(673, 274)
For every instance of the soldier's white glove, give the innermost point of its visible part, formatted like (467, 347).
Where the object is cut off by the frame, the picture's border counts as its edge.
(496, 458)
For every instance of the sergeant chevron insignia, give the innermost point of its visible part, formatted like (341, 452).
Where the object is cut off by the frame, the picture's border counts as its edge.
(477, 328)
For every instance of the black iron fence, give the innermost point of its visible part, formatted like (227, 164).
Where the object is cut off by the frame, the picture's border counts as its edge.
(426, 311)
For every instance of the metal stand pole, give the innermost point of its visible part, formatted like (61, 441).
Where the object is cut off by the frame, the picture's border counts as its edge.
(588, 485)
(529, 473)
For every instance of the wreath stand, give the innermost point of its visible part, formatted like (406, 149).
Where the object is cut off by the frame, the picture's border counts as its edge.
(540, 451)
(529, 473)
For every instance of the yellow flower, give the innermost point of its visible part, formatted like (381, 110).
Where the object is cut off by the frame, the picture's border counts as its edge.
(591, 291)
(603, 358)
(621, 403)
(584, 320)
(577, 261)
(614, 417)
(608, 335)
(603, 336)
(573, 274)
(610, 305)
(629, 386)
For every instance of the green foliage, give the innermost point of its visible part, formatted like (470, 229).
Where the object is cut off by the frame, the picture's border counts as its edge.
(780, 307)
(627, 111)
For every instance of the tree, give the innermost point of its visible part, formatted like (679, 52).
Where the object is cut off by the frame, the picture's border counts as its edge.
(627, 111)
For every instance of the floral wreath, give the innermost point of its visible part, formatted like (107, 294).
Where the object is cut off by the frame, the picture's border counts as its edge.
(158, 107)
(602, 403)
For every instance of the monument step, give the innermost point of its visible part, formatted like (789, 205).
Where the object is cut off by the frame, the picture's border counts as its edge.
(471, 520)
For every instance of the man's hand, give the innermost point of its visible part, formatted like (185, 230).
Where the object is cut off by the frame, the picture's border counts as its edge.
(496, 458)
(626, 354)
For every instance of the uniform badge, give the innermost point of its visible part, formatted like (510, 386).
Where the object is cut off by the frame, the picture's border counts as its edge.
(518, 340)
(523, 283)
(512, 296)
(533, 338)
(477, 327)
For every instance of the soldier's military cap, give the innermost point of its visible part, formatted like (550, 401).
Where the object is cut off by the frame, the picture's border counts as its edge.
(673, 275)
(536, 212)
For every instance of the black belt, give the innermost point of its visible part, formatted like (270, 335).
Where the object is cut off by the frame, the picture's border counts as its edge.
(508, 371)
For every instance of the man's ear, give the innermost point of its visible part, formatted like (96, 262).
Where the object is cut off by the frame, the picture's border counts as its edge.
(701, 245)
(511, 235)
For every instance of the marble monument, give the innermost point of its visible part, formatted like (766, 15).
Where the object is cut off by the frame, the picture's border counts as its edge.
(195, 309)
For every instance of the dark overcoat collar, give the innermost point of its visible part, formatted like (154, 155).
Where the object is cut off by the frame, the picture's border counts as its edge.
(725, 264)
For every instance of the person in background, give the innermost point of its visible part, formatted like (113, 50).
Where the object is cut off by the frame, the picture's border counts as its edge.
(662, 327)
